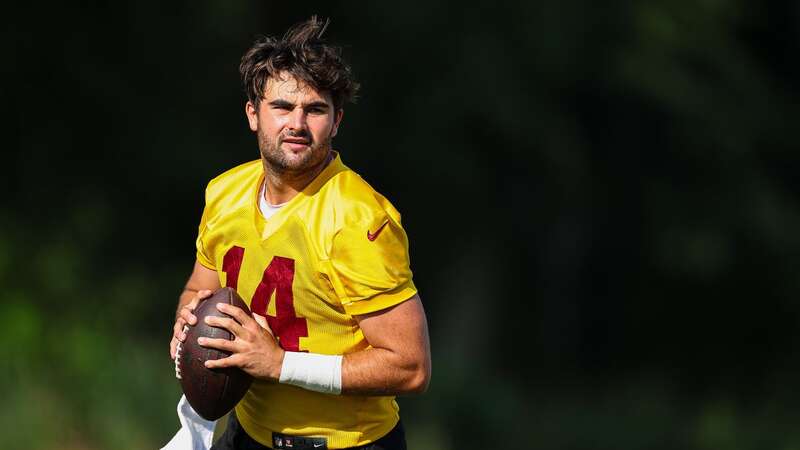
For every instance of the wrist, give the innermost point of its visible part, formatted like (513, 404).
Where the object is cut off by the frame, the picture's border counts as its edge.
(277, 366)
(312, 371)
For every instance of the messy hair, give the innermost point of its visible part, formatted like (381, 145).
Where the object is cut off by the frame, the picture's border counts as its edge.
(302, 53)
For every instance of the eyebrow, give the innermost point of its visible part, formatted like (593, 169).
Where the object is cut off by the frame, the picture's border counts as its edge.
(287, 104)
(317, 104)
(281, 103)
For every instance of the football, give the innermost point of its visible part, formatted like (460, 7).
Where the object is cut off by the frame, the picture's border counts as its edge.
(211, 392)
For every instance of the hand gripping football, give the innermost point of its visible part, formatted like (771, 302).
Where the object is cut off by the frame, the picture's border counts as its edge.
(211, 392)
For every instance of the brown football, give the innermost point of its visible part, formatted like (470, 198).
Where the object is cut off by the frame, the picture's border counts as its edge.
(211, 392)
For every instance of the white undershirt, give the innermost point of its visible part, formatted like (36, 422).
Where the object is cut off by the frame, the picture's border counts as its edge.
(266, 209)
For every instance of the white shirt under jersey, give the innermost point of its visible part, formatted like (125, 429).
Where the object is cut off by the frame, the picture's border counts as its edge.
(266, 209)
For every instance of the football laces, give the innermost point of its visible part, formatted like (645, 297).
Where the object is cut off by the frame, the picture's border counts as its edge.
(178, 355)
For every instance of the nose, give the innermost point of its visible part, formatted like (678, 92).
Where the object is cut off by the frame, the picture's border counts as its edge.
(297, 120)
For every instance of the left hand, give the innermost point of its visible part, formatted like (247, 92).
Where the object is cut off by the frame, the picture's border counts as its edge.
(254, 349)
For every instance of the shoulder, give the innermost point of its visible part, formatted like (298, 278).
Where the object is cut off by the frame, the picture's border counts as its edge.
(233, 188)
(356, 201)
(237, 176)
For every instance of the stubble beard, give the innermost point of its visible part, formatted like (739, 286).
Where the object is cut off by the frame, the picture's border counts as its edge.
(281, 163)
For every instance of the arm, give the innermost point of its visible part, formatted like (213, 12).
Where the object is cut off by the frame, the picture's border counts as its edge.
(201, 284)
(398, 361)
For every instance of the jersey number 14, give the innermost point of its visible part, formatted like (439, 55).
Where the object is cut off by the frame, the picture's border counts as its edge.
(278, 278)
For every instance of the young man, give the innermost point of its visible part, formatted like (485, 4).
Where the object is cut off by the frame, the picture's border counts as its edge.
(337, 328)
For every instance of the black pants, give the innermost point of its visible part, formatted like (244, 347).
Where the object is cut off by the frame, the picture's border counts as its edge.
(235, 438)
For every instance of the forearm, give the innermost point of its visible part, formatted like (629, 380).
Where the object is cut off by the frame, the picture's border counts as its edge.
(374, 371)
(398, 361)
(201, 279)
(378, 371)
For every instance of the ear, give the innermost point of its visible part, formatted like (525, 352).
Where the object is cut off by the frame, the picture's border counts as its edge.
(336, 121)
(252, 115)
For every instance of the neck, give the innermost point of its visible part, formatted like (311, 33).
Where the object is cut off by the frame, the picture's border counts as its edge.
(283, 186)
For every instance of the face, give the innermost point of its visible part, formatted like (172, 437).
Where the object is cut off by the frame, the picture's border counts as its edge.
(294, 124)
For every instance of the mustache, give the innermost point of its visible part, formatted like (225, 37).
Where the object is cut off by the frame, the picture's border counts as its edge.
(302, 134)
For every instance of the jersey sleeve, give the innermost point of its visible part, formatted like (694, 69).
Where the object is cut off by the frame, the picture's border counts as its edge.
(371, 266)
(203, 256)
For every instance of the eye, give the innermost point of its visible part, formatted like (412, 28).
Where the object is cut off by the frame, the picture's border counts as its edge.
(316, 110)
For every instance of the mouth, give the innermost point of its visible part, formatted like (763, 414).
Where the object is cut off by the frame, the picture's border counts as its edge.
(295, 143)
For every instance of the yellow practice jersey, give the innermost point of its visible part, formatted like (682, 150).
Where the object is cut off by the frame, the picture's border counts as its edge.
(334, 251)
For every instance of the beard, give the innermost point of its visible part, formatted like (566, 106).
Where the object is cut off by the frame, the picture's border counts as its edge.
(285, 161)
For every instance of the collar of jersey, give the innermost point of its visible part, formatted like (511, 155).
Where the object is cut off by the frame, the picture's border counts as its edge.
(279, 218)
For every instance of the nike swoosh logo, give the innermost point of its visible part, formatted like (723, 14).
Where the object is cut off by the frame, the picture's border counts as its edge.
(373, 236)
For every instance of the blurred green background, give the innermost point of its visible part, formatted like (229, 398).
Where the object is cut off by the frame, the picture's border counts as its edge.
(601, 198)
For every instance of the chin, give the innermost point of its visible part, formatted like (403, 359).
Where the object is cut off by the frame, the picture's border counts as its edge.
(288, 161)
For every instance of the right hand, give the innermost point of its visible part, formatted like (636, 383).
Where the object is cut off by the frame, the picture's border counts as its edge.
(184, 319)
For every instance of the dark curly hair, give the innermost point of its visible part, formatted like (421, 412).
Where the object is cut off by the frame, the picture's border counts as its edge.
(302, 53)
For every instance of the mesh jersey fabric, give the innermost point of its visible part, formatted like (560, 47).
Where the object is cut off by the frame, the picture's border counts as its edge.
(336, 250)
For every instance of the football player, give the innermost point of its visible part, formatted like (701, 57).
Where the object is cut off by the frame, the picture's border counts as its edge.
(338, 329)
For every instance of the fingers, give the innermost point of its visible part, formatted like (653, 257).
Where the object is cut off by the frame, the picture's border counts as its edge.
(178, 329)
(219, 344)
(261, 320)
(201, 295)
(173, 346)
(235, 360)
(178, 336)
(185, 312)
(227, 323)
(237, 313)
(182, 322)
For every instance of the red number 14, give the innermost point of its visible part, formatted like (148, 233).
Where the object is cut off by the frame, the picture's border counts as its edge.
(278, 278)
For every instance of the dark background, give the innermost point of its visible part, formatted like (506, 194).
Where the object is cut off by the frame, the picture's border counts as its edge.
(601, 198)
